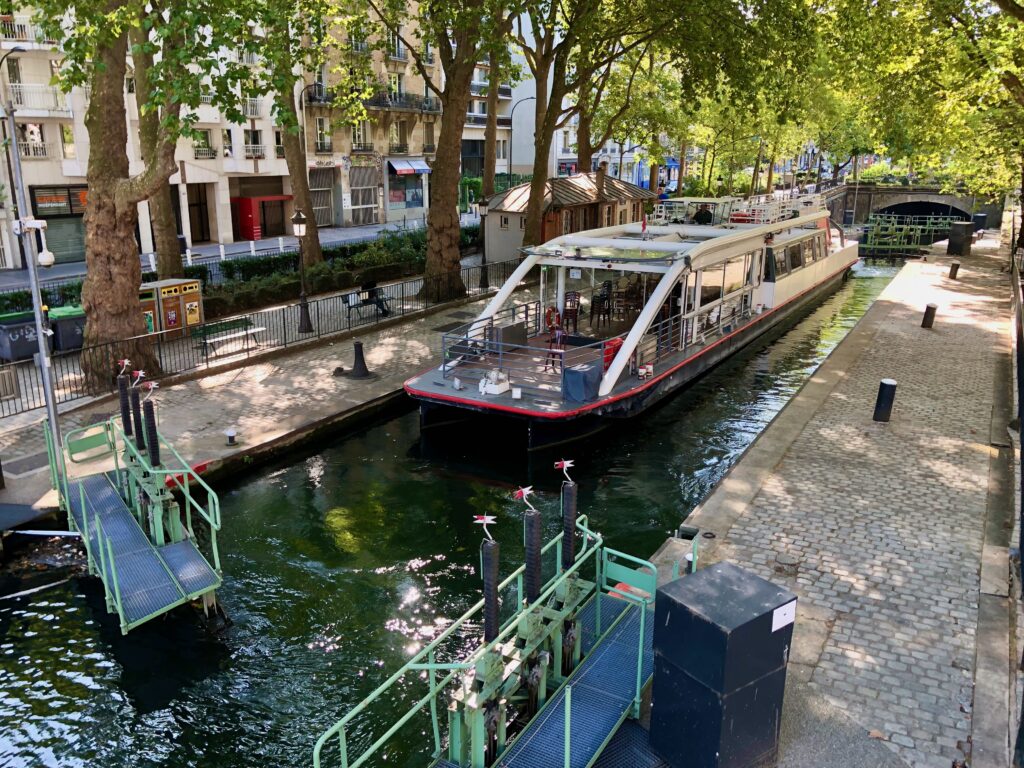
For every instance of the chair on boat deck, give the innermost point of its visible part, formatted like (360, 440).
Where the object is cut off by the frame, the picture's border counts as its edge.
(601, 305)
(572, 310)
(556, 350)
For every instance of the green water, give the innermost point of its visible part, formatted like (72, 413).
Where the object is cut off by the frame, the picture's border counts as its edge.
(341, 563)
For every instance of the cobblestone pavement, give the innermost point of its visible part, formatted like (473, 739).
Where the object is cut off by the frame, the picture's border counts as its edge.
(880, 526)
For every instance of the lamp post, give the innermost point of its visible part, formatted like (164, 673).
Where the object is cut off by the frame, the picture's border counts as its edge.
(23, 227)
(299, 230)
(485, 282)
(511, 133)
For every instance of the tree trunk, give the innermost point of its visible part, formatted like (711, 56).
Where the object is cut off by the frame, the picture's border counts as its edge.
(491, 130)
(821, 167)
(542, 139)
(110, 293)
(584, 151)
(755, 176)
(682, 164)
(771, 175)
(165, 230)
(298, 175)
(653, 178)
(442, 279)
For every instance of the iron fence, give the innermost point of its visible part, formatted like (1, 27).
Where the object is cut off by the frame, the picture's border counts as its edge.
(241, 336)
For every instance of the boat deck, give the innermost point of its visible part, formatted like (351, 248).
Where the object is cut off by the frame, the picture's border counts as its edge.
(149, 580)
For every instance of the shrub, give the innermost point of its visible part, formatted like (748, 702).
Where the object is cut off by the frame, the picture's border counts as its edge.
(259, 266)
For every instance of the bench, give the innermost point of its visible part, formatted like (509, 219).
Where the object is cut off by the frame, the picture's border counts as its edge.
(367, 296)
(213, 334)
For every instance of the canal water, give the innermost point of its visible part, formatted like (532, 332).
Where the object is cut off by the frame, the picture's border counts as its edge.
(341, 563)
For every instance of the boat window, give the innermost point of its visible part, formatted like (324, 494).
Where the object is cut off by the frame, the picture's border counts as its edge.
(781, 267)
(734, 273)
(793, 252)
(711, 284)
(807, 251)
(752, 267)
(820, 252)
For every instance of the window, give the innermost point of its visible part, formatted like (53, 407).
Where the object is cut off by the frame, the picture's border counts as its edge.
(395, 44)
(504, 222)
(793, 253)
(396, 84)
(361, 133)
(54, 70)
(398, 133)
(481, 107)
(67, 141)
(229, 148)
(323, 131)
(14, 71)
(322, 74)
(781, 267)
(428, 134)
(501, 149)
(253, 136)
(711, 284)
(30, 133)
(522, 222)
(405, 191)
(808, 251)
(129, 84)
(480, 75)
(734, 274)
(202, 138)
(565, 139)
(622, 216)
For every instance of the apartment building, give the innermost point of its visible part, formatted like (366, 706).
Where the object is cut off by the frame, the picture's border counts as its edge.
(232, 181)
(473, 140)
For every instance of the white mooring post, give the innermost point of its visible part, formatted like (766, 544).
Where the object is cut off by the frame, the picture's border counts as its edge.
(280, 245)
(252, 247)
(223, 256)
(152, 262)
(188, 256)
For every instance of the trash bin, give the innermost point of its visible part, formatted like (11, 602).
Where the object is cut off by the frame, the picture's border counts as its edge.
(182, 245)
(17, 336)
(980, 221)
(68, 324)
(961, 233)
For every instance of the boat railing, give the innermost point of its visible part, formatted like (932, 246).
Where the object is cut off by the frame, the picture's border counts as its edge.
(443, 664)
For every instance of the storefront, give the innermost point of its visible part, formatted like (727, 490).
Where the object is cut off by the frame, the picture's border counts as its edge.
(63, 209)
(407, 192)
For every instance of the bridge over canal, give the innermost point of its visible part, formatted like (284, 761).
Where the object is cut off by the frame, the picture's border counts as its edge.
(853, 203)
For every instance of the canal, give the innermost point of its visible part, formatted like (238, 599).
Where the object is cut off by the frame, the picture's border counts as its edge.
(341, 562)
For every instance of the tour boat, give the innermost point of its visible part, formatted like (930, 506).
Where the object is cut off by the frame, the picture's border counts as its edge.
(628, 314)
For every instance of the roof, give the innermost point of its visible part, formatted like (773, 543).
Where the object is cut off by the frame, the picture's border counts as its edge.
(570, 192)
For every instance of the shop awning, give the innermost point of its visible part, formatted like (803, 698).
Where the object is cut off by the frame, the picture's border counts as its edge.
(402, 167)
(419, 164)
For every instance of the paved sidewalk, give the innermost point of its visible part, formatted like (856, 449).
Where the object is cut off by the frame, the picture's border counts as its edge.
(268, 402)
(18, 278)
(881, 528)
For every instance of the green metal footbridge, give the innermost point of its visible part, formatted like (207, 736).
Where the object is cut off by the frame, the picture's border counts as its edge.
(560, 684)
(145, 516)
(895, 235)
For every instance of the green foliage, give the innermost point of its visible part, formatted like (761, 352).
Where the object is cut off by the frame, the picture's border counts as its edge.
(246, 269)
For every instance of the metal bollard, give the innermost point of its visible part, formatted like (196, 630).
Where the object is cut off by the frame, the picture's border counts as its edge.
(152, 440)
(533, 560)
(126, 413)
(568, 525)
(929, 315)
(359, 369)
(884, 401)
(489, 560)
(954, 268)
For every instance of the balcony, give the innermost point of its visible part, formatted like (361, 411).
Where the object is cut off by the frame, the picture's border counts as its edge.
(255, 152)
(478, 89)
(398, 149)
(279, 151)
(204, 153)
(324, 147)
(206, 97)
(252, 107)
(31, 150)
(403, 101)
(473, 118)
(398, 54)
(22, 29)
(362, 146)
(429, 149)
(504, 91)
(248, 57)
(42, 97)
(504, 121)
(428, 57)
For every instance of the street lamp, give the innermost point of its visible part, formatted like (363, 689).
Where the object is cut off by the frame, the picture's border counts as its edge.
(23, 227)
(511, 133)
(299, 230)
(485, 283)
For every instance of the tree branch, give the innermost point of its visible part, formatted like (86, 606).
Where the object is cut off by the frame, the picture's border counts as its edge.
(1012, 8)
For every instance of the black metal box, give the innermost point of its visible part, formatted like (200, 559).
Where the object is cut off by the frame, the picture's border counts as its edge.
(724, 626)
(696, 727)
(961, 234)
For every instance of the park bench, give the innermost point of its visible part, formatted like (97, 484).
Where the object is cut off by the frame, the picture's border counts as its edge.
(214, 334)
(368, 296)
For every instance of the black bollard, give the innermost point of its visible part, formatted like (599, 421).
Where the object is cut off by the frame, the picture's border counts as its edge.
(884, 401)
(489, 557)
(954, 268)
(929, 315)
(359, 369)
(140, 435)
(126, 414)
(568, 525)
(152, 441)
(533, 546)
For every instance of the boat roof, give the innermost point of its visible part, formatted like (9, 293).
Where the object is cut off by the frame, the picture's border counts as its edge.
(569, 192)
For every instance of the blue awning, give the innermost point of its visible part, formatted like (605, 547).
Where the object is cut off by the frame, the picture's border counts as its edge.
(402, 167)
(419, 164)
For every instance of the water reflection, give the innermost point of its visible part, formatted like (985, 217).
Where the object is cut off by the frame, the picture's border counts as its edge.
(342, 563)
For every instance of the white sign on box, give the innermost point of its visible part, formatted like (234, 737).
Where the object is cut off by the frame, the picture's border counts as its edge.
(783, 616)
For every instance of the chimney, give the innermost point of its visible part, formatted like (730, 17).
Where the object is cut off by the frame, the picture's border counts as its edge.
(602, 172)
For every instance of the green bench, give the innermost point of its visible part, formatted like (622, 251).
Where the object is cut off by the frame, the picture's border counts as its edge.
(212, 334)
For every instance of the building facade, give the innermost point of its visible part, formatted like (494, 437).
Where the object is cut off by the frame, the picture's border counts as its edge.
(476, 122)
(232, 181)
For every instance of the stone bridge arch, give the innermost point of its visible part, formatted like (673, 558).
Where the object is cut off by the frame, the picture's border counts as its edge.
(861, 200)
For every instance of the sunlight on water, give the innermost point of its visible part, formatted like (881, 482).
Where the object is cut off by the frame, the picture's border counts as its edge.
(342, 564)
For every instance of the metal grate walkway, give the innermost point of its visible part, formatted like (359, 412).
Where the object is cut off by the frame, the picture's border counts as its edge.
(150, 580)
(602, 693)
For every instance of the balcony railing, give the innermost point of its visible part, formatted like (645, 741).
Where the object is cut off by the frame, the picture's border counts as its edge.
(279, 150)
(44, 97)
(362, 146)
(252, 107)
(504, 91)
(398, 54)
(30, 150)
(398, 149)
(428, 57)
(478, 89)
(473, 118)
(206, 97)
(429, 149)
(504, 121)
(205, 153)
(324, 147)
(248, 57)
(21, 28)
(406, 101)
(255, 151)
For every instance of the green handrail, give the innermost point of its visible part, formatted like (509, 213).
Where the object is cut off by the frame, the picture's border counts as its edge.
(416, 663)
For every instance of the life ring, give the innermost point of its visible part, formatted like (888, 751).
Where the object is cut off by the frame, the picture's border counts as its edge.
(552, 319)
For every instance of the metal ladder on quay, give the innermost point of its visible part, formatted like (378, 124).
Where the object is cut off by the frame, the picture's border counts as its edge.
(138, 519)
(566, 671)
